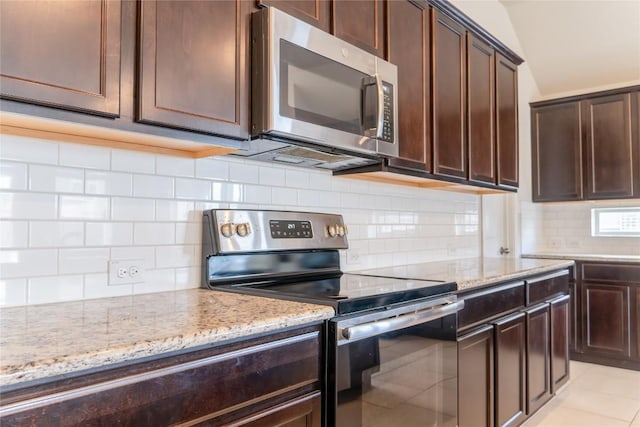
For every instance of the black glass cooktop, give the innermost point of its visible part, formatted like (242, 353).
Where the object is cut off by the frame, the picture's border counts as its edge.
(347, 293)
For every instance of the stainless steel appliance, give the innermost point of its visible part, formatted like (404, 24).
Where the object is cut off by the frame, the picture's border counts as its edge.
(391, 356)
(317, 100)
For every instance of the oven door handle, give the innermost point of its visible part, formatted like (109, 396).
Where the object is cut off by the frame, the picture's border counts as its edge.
(389, 324)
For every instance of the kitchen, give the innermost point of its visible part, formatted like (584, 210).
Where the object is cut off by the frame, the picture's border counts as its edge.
(73, 208)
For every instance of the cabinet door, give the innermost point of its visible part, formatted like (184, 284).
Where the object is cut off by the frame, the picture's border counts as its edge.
(302, 412)
(507, 121)
(481, 111)
(314, 12)
(62, 54)
(538, 357)
(193, 65)
(556, 152)
(449, 92)
(361, 23)
(559, 342)
(611, 152)
(408, 39)
(475, 378)
(605, 319)
(510, 378)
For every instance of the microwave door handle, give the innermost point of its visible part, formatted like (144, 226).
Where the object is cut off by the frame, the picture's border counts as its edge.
(380, 124)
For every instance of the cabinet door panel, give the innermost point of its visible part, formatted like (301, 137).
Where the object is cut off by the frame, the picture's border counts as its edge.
(605, 315)
(507, 121)
(611, 152)
(360, 22)
(559, 342)
(510, 386)
(556, 152)
(193, 65)
(538, 358)
(314, 12)
(62, 54)
(475, 378)
(408, 39)
(449, 142)
(481, 111)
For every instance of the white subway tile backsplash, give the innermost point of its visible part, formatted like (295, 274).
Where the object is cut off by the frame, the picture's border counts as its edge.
(153, 186)
(13, 176)
(130, 209)
(108, 183)
(55, 179)
(153, 233)
(210, 168)
(28, 263)
(14, 234)
(175, 166)
(109, 234)
(52, 234)
(13, 292)
(32, 150)
(54, 289)
(171, 210)
(85, 156)
(28, 205)
(132, 161)
(193, 189)
(140, 205)
(85, 260)
(84, 207)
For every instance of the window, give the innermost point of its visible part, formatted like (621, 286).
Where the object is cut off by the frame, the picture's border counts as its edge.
(623, 222)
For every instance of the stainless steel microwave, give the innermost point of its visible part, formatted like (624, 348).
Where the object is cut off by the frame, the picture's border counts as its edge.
(310, 86)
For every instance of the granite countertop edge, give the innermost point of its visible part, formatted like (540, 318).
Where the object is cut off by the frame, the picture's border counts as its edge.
(465, 285)
(585, 257)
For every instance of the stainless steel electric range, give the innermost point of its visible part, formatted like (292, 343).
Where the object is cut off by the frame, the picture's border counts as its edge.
(391, 353)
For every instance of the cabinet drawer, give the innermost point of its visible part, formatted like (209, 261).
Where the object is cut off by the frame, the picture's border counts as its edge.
(544, 287)
(490, 303)
(613, 273)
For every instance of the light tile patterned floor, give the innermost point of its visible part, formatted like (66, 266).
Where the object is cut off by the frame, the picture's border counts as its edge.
(596, 396)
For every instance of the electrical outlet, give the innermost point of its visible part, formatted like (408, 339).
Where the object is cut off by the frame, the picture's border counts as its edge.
(125, 271)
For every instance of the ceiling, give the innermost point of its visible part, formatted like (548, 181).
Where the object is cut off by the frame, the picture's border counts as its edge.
(575, 45)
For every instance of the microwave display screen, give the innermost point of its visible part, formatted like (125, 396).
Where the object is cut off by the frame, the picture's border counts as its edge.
(318, 90)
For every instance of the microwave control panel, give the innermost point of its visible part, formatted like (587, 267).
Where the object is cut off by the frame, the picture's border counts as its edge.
(387, 127)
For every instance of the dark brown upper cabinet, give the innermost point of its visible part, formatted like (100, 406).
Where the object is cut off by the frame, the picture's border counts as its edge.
(586, 147)
(449, 93)
(408, 47)
(314, 12)
(507, 121)
(62, 54)
(361, 23)
(556, 152)
(611, 151)
(193, 65)
(481, 110)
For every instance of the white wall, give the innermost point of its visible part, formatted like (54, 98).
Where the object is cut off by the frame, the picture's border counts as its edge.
(67, 209)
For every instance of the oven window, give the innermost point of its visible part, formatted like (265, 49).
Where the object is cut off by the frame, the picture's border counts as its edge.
(317, 90)
(404, 378)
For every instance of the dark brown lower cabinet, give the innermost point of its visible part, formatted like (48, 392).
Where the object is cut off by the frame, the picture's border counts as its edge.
(559, 338)
(273, 380)
(475, 378)
(538, 357)
(510, 378)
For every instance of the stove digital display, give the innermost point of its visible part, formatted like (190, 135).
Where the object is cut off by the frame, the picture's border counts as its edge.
(290, 229)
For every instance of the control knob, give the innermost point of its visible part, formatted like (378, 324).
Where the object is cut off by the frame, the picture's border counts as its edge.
(227, 229)
(243, 229)
(332, 230)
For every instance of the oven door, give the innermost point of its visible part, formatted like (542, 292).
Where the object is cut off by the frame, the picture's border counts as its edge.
(396, 367)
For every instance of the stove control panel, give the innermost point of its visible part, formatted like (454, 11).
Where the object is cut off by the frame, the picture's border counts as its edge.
(236, 230)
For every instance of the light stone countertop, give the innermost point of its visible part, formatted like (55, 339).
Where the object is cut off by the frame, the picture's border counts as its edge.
(586, 257)
(46, 340)
(471, 273)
